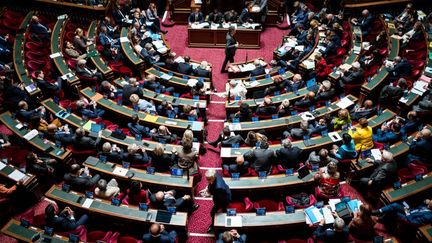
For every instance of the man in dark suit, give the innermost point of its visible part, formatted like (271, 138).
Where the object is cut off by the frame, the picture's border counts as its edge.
(196, 17)
(259, 69)
(158, 234)
(267, 108)
(261, 158)
(112, 153)
(365, 22)
(84, 71)
(339, 233)
(39, 29)
(185, 67)
(420, 147)
(263, 9)
(215, 16)
(82, 142)
(203, 70)
(79, 179)
(354, 76)
(164, 200)
(136, 155)
(418, 216)
(136, 129)
(401, 68)
(25, 114)
(46, 87)
(288, 156)
(65, 220)
(391, 94)
(245, 16)
(230, 48)
(129, 89)
(219, 190)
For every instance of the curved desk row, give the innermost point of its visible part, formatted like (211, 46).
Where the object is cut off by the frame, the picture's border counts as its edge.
(97, 60)
(175, 81)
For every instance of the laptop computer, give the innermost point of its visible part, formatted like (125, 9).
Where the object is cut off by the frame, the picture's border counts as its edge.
(163, 216)
(94, 129)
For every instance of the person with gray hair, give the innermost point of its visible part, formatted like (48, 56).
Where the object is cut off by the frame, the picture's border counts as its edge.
(354, 75)
(151, 84)
(298, 133)
(288, 156)
(220, 191)
(203, 70)
(320, 158)
(106, 190)
(259, 69)
(129, 89)
(339, 233)
(82, 70)
(420, 147)
(261, 158)
(284, 108)
(108, 90)
(112, 153)
(325, 91)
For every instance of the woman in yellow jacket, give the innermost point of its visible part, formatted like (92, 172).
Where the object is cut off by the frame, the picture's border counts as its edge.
(362, 135)
(342, 119)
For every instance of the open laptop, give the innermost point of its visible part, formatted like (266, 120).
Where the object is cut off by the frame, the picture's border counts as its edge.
(94, 130)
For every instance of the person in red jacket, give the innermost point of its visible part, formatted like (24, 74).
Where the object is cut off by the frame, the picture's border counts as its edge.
(322, 70)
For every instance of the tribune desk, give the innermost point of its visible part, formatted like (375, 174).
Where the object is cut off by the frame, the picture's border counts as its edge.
(216, 38)
(156, 180)
(14, 229)
(123, 212)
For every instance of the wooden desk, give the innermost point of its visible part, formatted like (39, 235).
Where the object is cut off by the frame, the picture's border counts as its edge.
(18, 55)
(408, 189)
(319, 141)
(56, 47)
(77, 121)
(282, 122)
(177, 74)
(175, 125)
(14, 229)
(425, 233)
(160, 181)
(378, 79)
(9, 169)
(100, 9)
(37, 142)
(158, 98)
(206, 37)
(252, 222)
(97, 60)
(129, 51)
(175, 81)
(123, 212)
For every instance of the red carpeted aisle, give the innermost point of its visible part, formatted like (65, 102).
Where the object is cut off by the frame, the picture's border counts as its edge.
(177, 38)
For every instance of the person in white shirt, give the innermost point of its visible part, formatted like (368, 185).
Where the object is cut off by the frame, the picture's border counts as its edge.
(236, 88)
(142, 104)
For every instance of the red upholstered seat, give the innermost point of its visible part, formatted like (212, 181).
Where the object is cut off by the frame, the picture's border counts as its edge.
(242, 207)
(113, 238)
(127, 239)
(270, 205)
(81, 231)
(98, 235)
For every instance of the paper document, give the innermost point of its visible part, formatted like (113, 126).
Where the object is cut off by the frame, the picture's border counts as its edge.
(328, 216)
(332, 203)
(30, 135)
(166, 76)
(30, 88)
(344, 103)
(124, 39)
(235, 126)
(17, 175)
(307, 116)
(253, 83)
(66, 76)
(158, 44)
(120, 171)
(170, 122)
(247, 67)
(299, 48)
(376, 153)
(233, 221)
(403, 100)
(357, 49)
(57, 54)
(345, 66)
(313, 214)
(179, 59)
(335, 137)
(309, 64)
(225, 152)
(87, 203)
(2, 165)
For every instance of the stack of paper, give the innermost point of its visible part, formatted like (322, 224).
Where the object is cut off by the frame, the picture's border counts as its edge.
(299, 48)
(376, 153)
(420, 87)
(158, 44)
(247, 67)
(313, 215)
(166, 76)
(54, 55)
(30, 88)
(234, 126)
(120, 171)
(357, 49)
(332, 203)
(344, 103)
(30, 135)
(309, 64)
(17, 175)
(307, 116)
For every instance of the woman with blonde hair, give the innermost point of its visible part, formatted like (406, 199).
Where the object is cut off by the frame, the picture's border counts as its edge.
(328, 181)
(142, 104)
(342, 119)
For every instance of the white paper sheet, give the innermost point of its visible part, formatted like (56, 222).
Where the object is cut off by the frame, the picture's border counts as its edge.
(236, 221)
(332, 203)
(30, 135)
(376, 153)
(57, 54)
(87, 203)
(335, 137)
(120, 171)
(2, 165)
(17, 175)
(225, 152)
(344, 103)
(124, 39)
(328, 217)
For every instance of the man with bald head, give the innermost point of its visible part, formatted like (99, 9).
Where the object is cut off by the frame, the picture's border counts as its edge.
(365, 22)
(83, 142)
(307, 101)
(59, 134)
(366, 111)
(421, 147)
(158, 234)
(79, 179)
(164, 200)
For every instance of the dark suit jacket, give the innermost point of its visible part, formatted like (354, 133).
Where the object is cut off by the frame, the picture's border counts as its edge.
(366, 23)
(85, 143)
(164, 237)
(401, 69)
(80, 183)
(257, 71)
(331, 236)
(220, 191)
(353, 77)
(115, 157)
(202, 72)
(128, 90)
(137, 129)
(62, 223)
(261, 159)
(136, 159)
(244, 16)
(196, 18)
(185, 68)
(230, 48)
(383, 174)
(162, 163)
(421, 148)
(46, 86)
(83, 72)
(288, 157)
(38, 28)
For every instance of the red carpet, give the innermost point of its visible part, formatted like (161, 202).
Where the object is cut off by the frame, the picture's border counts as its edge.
(177, 38)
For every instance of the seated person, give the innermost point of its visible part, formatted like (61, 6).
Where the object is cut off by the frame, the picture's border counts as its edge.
(203, 70)
(353, 76)
(253, 138)
(136, 129)
(391, 94)
(142, 104)
(298, 133)
(325, 91)
(108, 90)
(425, 104)
(330, 47)
(328, 181)
(187, 156)
(135, 194)
(296, 83)
(230, 16)
(320, 159)
(46, 87)
(158, 234)
(112, 153)
(40, 166)
(231, 236)
(25, 114)
(83, 70)
(339, 232)
(316, 128)
(261, 158)
(343, 119)
(418, 216)
(227, 138)
(72, 52)
(307, 101)
(365, 22)
(241, 166)
(284, 109)
(244, 113)
(162, 134)
(245, 17)
(362, 224)
(106, 190)
(185, 67)
(420, 147)
(65, 220)
(4, 141)
(196, 17)
(400, 67)
(388, 133)
(413, 35)
(136, 156)
(80, 179)
(366, 111)
(80, 41)
(5, 191)
(411, 124)
(88, 110)
(346, 150)
(36, 27)
(61, 134)
(161, 161)
(215, 16)
(236, 89)
(164, 200)
(362, 135)
(129, 89)
(166, 109)
(151, 84)
(83, 142)
(288, 156)
(266, 108)
(259, 69)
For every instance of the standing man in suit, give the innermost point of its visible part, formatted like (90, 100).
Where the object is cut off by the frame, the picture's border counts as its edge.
(230, 48)
(219, 190)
